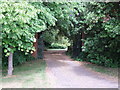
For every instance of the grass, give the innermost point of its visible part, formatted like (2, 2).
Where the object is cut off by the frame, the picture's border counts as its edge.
(28, 75)
(112, 72)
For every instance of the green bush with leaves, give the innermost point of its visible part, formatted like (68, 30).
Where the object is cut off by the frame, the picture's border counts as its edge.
(19, 57)
(103, 37)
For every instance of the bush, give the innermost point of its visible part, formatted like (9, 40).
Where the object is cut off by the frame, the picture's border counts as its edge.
(101, 51)
(18, 58)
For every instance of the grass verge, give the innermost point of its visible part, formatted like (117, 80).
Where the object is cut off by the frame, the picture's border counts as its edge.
(28, 75)
(111, 72)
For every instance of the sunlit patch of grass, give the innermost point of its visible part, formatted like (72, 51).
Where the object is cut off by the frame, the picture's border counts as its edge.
(31, 74)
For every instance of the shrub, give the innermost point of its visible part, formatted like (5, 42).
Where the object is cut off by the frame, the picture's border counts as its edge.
(18, 58)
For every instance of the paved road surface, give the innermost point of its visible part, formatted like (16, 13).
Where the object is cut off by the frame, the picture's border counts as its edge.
(65, 73)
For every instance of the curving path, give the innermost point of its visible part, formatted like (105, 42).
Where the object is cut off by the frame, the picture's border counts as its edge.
(65, 73)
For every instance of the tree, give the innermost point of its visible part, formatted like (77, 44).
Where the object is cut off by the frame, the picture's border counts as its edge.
(20, 21)
(102, 29)
(15, 18)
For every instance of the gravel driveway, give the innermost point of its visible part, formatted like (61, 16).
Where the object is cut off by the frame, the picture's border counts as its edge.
(65, 73)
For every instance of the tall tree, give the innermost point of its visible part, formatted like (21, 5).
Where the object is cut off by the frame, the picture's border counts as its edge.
(20, 21)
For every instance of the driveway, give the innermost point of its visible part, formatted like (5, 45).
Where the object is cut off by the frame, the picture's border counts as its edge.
(63, 72)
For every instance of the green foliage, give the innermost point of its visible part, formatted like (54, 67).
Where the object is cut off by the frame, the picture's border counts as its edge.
(52, 39)
(50, 36)
(15, 30)
(20, 21)
(102, 43)
(19, 57)
(101, 24)
(57, 46)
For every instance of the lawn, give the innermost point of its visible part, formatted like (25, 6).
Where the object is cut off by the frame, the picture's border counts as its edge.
(29, 75)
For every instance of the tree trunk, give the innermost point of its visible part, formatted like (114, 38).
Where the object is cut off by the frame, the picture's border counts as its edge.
(0, 56)
(10, 64)
(77, 45)
(40, 46)
(69, 49)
